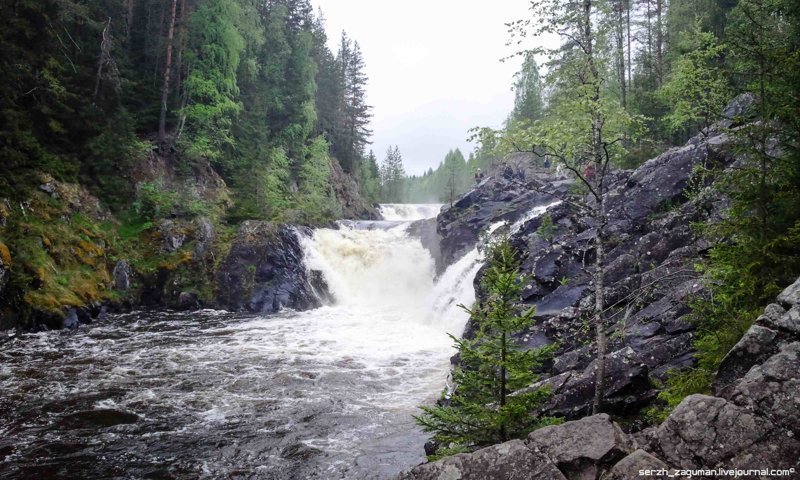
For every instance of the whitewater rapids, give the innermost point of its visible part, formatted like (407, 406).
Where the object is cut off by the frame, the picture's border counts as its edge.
(328, 393)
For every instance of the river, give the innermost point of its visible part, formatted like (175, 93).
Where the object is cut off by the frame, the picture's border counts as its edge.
(327, 393)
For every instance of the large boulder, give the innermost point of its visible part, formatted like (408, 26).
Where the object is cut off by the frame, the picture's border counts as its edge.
(583, 449)
(629, 468)
(264, 271)
(507, 461)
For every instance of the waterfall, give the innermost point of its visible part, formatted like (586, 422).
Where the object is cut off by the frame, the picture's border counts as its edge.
(385, 271)
(409, 211)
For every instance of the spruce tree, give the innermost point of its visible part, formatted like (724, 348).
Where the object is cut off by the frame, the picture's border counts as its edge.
(489, 404)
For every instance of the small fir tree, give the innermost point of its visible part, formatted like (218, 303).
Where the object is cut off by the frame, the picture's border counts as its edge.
(489, 404)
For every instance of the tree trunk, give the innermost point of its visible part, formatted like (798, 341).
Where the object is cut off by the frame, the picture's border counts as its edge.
(659, 44)
(129, 22)
(105, 54)
(503, 356)
(621, 54)
(599, 212)
(599, 306)
(162, 120)
(628, 27)
(182, 33)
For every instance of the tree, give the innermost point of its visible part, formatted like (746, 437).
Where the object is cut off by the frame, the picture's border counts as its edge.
(584, 131)
(215, 46)
(528, 101)
(696, 89)
(162, 121)
(392, 175)
(482, 409)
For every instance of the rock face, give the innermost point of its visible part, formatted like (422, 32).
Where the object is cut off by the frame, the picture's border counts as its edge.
(753, 424)
(649, 273)
(264, 272)
(123, 274)
(347, 194)
(501, 196)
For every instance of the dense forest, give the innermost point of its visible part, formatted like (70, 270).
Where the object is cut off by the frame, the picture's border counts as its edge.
(128, 122)
(247, 88)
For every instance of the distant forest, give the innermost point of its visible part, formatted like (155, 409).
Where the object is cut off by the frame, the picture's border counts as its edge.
(249, 88)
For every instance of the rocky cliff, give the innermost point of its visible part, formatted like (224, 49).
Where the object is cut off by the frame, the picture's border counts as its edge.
(650, 275)
(752, 423)
(65, 258)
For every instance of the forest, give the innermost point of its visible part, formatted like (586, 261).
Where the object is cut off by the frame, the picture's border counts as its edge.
(248, 88)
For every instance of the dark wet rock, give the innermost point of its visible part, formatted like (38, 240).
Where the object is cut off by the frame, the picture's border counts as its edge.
(123, 276)
(172, 236)
(204, 236)
(431, 447)
(3, 277)
(496, 199)
(264, 271)
(627, 386)
(97, 418)
(425, 230)
(71, 319)
(512, 460)
(188, 301)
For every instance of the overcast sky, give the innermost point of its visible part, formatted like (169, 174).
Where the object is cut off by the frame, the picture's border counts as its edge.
(434, 69)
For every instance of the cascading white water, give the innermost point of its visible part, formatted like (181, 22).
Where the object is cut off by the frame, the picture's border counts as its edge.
(327, 393)
(408, 211)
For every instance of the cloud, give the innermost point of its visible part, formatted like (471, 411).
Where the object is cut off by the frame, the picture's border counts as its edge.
(434, 69)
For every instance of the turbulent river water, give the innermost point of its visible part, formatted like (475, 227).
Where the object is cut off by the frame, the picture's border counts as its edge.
(328, 393)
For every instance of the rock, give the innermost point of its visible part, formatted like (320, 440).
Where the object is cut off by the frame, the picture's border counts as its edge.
(205, 235)
(711, 432)
(122, 273)
(346, 191)
(101, 418)
(774, 329)
(738, 110)
(264, 272)
(425, 230)
(172, 237)
(573, 394)
(584, 448)
(772, 390)
(507, 461)
(431, 447)
(71, 319)
(629, 467)
(757, 345)
(791, 295)
(188, 301)
(4, 274)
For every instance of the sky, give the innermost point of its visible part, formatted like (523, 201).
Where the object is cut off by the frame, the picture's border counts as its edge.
(434, 69)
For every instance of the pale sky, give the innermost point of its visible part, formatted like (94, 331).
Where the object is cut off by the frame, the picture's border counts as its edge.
(434, 69)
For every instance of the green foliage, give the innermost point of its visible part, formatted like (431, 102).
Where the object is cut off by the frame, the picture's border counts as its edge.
(546, 228)
(696, 89)
(489, 405)
(392, 176)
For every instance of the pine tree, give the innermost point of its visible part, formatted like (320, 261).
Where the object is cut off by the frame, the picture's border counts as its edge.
(482, 409)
